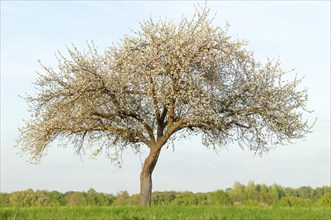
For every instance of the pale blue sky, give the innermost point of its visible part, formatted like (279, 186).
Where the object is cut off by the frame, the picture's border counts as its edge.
(297, 32)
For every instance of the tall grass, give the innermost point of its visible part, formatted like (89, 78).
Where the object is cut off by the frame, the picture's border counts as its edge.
(166, 212)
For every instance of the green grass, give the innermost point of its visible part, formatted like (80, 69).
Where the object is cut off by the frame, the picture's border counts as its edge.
(166, 212)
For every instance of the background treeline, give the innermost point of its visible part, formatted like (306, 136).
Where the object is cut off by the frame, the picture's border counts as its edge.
(249, 195)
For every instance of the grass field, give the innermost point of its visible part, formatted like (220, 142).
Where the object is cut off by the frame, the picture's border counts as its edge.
(166, 212)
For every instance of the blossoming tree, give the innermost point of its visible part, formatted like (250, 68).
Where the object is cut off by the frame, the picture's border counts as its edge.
(167, 81)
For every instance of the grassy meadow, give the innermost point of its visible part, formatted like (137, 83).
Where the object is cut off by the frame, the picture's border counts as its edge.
(166, 212)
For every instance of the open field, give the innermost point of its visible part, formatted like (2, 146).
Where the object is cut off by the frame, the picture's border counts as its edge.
(166, 212)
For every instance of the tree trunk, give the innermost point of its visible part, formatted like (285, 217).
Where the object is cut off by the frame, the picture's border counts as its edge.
(146, 177)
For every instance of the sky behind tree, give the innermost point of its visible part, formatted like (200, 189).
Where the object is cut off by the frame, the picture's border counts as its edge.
(296, 32)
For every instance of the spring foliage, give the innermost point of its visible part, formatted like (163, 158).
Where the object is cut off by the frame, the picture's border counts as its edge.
(167, 81)
(239, 195)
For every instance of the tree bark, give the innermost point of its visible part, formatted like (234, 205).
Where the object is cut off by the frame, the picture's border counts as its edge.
(146, 176)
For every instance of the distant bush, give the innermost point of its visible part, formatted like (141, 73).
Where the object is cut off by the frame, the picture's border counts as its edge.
(325, 200)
